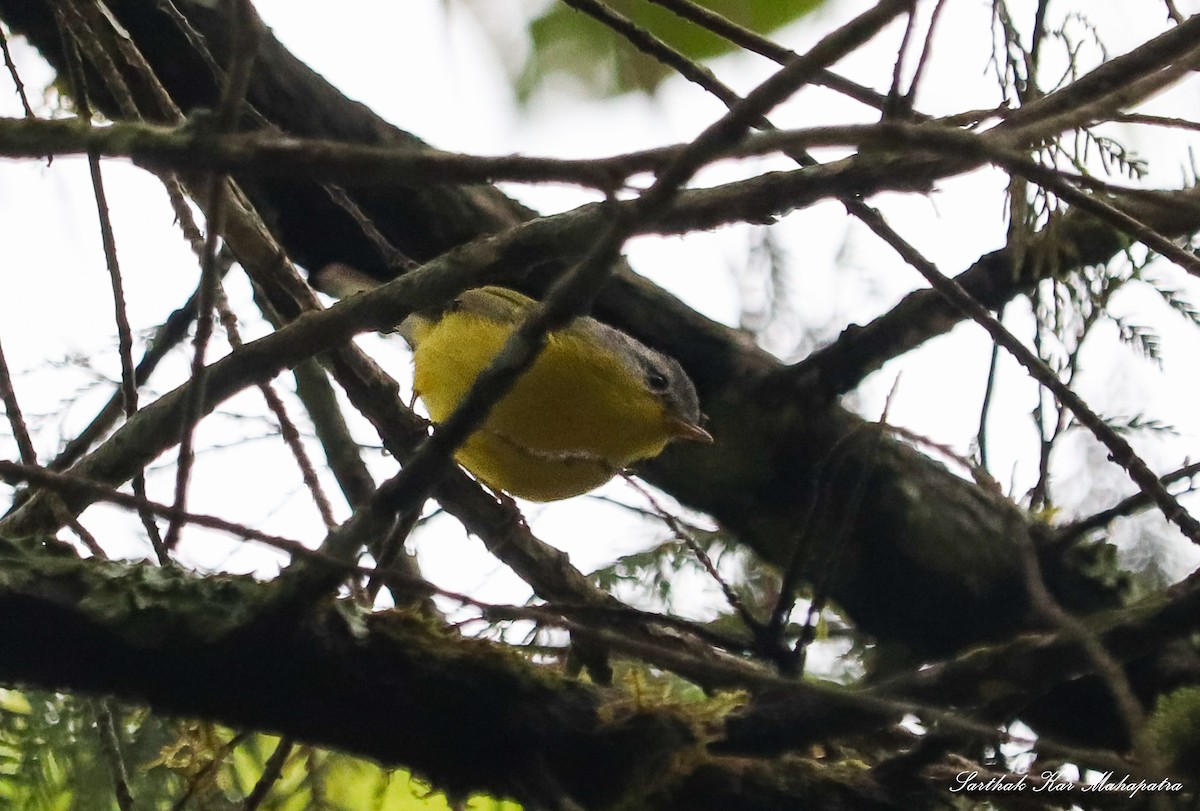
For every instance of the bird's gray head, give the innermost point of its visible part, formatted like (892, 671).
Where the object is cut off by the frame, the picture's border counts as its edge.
(667, 380)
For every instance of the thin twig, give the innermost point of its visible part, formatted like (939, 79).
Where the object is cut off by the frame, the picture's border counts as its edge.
(1158, 121)
(208, 772)
(16, 76)
(1039, 494)
(194, 37)
(71, 484)
(922, 62)
(981, 436)
(750, 41)
(205, 301)
(110, 748)
(1173, 12)
(245, 38)
(271, 774)
(129, 387)
(341, 450)
(85, 537)
(287, 428)
(12, 408)
(392, 256)
(167, 337)
(391, 549)
(1069, 533)
(681, 532)
(978, 473)
(654, 47)
(894, 96)
(1035, 47)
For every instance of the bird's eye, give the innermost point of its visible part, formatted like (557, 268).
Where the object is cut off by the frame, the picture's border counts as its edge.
(657, 381)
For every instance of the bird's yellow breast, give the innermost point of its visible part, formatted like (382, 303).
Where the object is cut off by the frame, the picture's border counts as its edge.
(575, 418)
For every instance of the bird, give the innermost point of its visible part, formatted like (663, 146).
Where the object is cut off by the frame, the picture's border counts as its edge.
(594, 402)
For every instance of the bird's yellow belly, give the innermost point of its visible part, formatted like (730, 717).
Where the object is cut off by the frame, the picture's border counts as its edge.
(503, 465)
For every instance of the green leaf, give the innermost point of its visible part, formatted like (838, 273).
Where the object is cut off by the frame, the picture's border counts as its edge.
(14, 701)
(51, 760)
(565, 41)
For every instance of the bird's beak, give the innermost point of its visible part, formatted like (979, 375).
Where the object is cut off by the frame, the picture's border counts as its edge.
(689, 430)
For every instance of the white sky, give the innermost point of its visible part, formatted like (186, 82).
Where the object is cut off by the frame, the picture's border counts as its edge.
(432, 71)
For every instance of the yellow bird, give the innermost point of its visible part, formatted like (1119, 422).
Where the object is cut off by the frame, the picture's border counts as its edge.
(595, 401)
